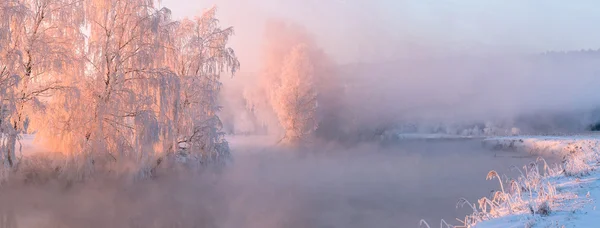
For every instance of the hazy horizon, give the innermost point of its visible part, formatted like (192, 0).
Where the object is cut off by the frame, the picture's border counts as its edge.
(354, 30)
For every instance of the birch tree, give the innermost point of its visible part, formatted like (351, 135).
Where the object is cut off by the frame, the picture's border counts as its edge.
(125, 96)
(150, 86)
(295, 101)
(202, 55)
(118, 80)
(39, 39)
(293, 92)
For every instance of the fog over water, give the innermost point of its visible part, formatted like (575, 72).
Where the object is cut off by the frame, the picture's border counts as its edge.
(450, 67)
(367, 185)
(454, 67)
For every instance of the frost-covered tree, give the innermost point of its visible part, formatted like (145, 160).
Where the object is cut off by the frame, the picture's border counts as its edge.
(10, 14)
(201, 55)
(284, 40)
(116, 115)
(295, 100)
(118, 80)
(38, 42)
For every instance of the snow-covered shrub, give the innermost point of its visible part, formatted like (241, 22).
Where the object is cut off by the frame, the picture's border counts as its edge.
(578, 158)
(576, 166)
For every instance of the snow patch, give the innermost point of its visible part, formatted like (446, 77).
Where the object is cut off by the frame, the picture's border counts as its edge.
(564, 195)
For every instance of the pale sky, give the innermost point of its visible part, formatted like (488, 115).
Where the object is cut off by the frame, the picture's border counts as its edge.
(352, 30)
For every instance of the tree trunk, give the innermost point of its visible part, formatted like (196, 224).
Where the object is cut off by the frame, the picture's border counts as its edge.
(11, 147)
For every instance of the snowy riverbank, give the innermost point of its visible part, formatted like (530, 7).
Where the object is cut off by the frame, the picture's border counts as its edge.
(559, 195)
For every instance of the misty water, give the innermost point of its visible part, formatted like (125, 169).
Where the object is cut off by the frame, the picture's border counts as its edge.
(392, 185)
(266, 186)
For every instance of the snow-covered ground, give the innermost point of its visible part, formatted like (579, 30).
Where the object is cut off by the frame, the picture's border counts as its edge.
(421, 136)
(29, 146)
(564, 195)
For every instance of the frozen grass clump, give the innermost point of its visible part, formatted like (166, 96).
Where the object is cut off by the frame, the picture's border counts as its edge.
(532, 192)
(576, 162)
(575, 166)
(529, 193)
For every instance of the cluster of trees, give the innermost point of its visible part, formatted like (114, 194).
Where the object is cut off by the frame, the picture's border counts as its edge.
(112, 80)
(574, 53)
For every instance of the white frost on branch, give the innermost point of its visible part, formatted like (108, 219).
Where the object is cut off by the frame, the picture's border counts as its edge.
(117, 81)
